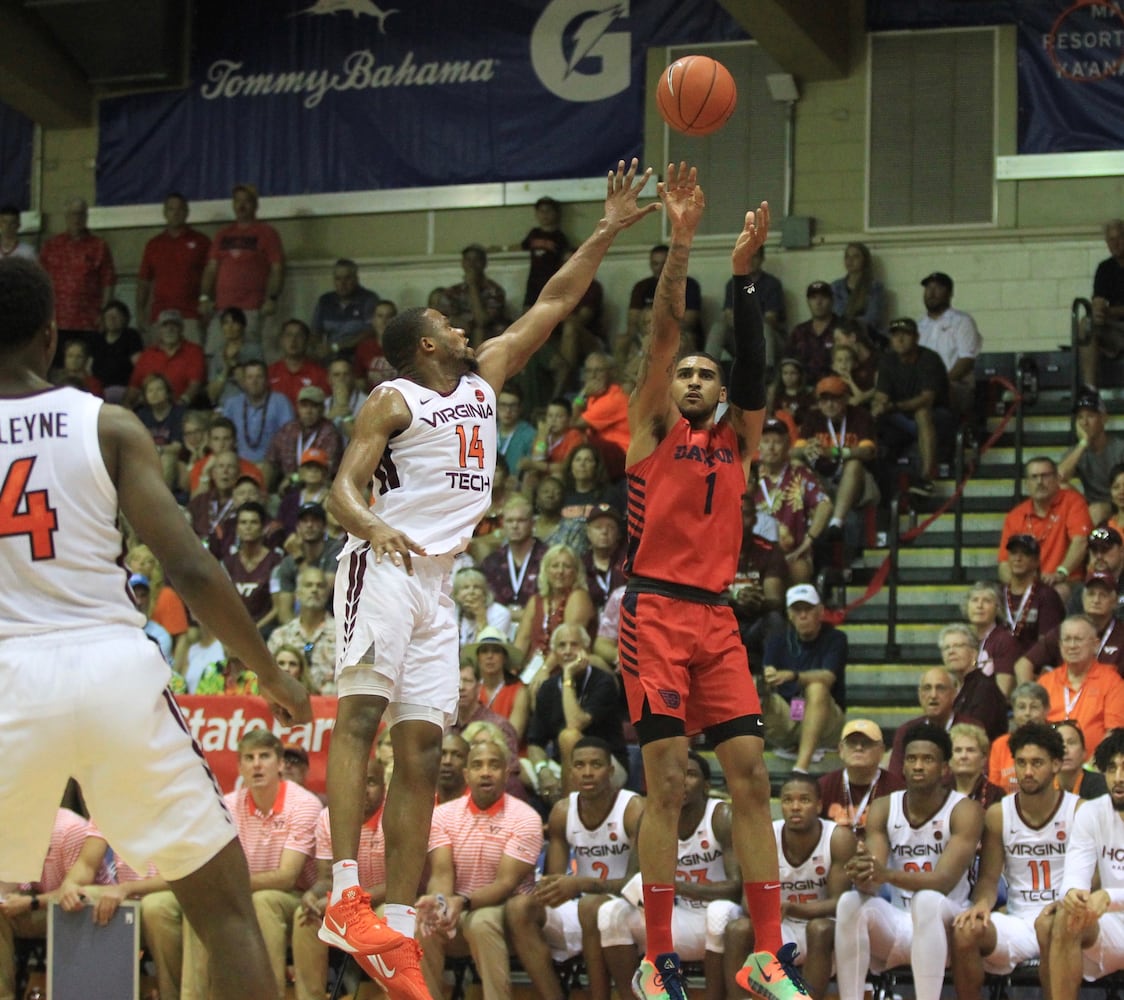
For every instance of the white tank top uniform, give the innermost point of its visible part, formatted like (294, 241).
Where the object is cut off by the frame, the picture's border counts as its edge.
(602, 852)
(805, 882)
(700, 857)
(920, 848)
(1034, 862)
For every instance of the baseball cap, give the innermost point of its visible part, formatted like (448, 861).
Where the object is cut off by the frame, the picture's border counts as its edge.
(903, 323)
(603, 510)
(317, 455)
(832, 385)
(1106, 580)
(871, 730)
(290, 751)
(1089, 399)
(313, 509)
(1024, 543)
(170, 316)
(774, 426)
(802, 593)
(819, 288)
(1104, 538)
(311, 394)
(940, 277)
(139, 580)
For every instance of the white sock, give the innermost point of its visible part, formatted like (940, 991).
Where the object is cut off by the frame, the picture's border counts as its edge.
(402, 918)
(345, 875)
(835, 522)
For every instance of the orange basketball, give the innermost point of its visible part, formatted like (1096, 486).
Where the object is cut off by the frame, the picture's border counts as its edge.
(696, 95)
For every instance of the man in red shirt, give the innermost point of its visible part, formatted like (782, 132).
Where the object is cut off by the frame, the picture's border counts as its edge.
(296, 370)
(171, 270)
(601, 410)
(179, 361)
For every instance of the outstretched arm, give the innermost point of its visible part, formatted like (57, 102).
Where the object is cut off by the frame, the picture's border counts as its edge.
(648, 408)
(503, 356)
(746, 391)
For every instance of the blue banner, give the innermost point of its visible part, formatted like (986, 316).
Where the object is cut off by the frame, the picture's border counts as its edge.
(1071, 63)
(16, 140)
(311, 96)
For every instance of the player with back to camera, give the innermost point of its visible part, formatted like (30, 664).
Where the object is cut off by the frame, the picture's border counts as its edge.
(428, 438)
(85, 691)
(682, 661)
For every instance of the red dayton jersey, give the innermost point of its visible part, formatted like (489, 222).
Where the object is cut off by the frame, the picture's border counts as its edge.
(685, 508)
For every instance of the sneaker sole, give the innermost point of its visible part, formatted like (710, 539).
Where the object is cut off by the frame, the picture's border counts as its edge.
(336, 941)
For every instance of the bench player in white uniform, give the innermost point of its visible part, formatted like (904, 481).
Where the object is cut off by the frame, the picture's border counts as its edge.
(920, 843)
(1087, 934)
(1025, 840)
(707, 884)
(85, 690)
(595, 826)
(811, 853)
(428, 438)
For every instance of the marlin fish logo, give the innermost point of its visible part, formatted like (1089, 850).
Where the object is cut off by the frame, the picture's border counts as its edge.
(587, 34)
(358, 8)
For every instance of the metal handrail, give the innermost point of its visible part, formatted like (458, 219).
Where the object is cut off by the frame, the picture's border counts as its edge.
(1017, 492)
(1075, 325)
(959, 468)
(893, 650)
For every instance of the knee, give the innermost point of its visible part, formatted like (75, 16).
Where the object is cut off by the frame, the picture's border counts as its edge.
(666, 785)
(925, 908)
(821, 935)
(358, 717)
(850, 903)
(749, 782)
(521, 911)
(817, 693)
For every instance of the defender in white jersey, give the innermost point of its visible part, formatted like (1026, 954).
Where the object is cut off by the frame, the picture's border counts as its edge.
(920, 843)
(1086, 937)
(1026, 836)
(592, 833)
(428, 438)
(811, 853)
(707, 885)
(85, 691)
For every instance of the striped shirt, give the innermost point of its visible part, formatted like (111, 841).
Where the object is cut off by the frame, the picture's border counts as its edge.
(481, 838)
(289, 826)
(372, 848)
(67, 838)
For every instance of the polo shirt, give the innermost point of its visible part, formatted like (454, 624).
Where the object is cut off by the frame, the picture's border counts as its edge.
(289, 383)
(1066, 517)
(827, 651)
(481, 838)
(245, 254)
(68, 836)
(185, 365)
(905, 380)
(174, 264)
(372, 847)
(289, 826)
(1096, 707)
(953, 335)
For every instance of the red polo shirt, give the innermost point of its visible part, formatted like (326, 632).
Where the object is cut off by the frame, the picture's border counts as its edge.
(185, 365)
(1066, 518)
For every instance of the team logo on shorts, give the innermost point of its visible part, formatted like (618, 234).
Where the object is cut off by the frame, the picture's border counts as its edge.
(671, 698)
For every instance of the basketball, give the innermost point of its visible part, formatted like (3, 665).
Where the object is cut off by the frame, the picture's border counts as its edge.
(696, 95)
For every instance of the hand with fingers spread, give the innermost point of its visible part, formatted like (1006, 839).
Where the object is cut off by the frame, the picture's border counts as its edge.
(752, 237)
(682, 198)
(386, 541)
(621, 207)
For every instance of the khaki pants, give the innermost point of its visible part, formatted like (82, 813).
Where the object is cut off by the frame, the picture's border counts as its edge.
(481, 935)
(162, 924)
(782, 731)
(32, 924)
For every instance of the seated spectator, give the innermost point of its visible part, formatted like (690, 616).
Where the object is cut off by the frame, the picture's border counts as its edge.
(968, 764)
(257, 412)
(346, 399)
(477, 305)
(601, 412)
(276, 823)
(998, 649)
(224, 367)
(1116, 495)
(251, 564)
(115, 350)
(512, 571)
(860, 369)
(1094, 456)
(344, 315)
(313, 631)
(309, 545)
(1106, 555)
(837, 442)
(1098, 605)
(208, 509)
(874, 933)
(1074, 776)
(911, 402)
(247, 489)
(292, 660)
(858, 295)
(548, 509)
(757, 593)
(574, 700)
(770, 295)
(954, 336)
(313, 481)
(75, 369)
(473, 713)
(936, 691)
(605, 552)
(514, 435)
(199, 650)
(1030, 702)
(310, 954)
(497, 664)
(166, 607)
(450, 773)
(369, 361)
(805, 699)
(140, 590)
(164, 421)
(640, 310)
(311, 431)
(554, 440)
(562, 598)
(1058, 519)
(598, 824)
(1102, 334)
(1030, 607)
(587, 485)
(810, 342)
(1082, 688)
(180, 361)
(846, 793)
(483, 849)
(791, 495)
(221, 437)
(790, 393)
(477, 608)
(295, 370)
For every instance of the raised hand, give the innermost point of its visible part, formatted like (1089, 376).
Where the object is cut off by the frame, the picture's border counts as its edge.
(621, 207)
(750, 239)
(682, 197)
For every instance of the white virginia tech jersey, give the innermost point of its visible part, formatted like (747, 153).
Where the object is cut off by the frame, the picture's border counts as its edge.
(1034, 858)
(434, 483)
(919, 849)
(60, 549)
(700, 857)
(807, 881)
(604, 851)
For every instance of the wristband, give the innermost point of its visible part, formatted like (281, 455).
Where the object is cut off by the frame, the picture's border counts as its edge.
(1062, 572)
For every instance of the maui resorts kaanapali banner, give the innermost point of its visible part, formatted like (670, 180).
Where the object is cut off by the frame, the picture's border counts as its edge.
(312, 96)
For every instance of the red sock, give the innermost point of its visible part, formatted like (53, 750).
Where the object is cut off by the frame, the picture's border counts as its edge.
(658, 902)
(764, 902)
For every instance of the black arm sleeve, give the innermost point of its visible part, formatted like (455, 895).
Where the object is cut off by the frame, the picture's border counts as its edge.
(747, 374)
